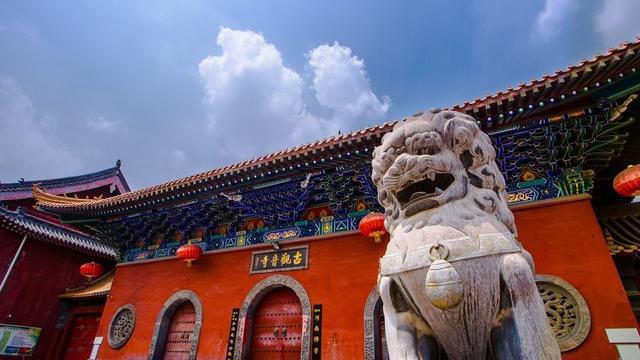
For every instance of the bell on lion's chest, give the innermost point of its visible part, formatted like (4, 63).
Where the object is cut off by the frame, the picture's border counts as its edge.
(443, 285)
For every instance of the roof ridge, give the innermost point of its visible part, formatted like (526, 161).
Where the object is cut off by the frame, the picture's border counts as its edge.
(21, 212)
(114, 170)
(237, 165)
(84, 242)
(522, 86)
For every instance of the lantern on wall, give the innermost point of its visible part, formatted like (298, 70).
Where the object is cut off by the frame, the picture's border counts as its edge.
(372, 225)
(91, 270)
(627, 182)
(189, 253)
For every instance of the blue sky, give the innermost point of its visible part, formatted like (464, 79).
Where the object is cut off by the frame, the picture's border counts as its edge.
(173, 88)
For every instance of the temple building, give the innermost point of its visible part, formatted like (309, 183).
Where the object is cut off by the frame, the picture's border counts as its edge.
(277, 266)
(35, 245)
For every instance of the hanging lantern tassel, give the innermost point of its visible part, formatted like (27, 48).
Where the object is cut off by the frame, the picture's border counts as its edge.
(189, 253)
(372, 225)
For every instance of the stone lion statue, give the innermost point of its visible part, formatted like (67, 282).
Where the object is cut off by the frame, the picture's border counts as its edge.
(455, 282)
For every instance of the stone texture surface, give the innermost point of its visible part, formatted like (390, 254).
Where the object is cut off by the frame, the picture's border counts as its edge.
(445, 203)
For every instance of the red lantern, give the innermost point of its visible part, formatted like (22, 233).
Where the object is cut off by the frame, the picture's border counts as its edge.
(627, 182)
(372, 225)
(189, 253)
(91, 270)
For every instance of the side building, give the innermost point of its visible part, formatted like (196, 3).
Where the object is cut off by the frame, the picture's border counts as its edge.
(40, 258)
(285, 271)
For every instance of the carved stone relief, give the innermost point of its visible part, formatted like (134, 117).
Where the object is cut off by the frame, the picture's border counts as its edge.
(566, 310)
(121, 326)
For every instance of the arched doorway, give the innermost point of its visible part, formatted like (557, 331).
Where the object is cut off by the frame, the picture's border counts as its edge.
(177, 328)
(375, 345)
(180, 332)
(276, 329)
(275, 292)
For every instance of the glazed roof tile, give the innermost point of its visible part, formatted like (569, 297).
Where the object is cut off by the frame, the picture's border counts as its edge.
(22, 189)
(533, 90)
(22, 223)
(588, 73)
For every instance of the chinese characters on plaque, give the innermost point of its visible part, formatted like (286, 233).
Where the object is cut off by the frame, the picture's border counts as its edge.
(279, 260)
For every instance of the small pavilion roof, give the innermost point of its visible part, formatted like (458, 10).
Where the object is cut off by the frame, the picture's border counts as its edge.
(526, 102)
(20, 222)
(22, 189)
(99, 287)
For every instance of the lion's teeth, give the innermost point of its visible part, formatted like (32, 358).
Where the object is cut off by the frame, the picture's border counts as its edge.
(431, 176)
(438, 191)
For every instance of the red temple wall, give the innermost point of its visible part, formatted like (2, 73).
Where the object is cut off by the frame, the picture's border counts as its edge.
(564, 239)
(41, 273)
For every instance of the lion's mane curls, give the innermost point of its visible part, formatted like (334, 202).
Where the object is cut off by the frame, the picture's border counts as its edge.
(450, 140)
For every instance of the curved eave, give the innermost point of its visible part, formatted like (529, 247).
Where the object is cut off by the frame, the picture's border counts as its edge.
(24, 224)
(97, 288)
(575, 80)
(108, 177)
(264, 168)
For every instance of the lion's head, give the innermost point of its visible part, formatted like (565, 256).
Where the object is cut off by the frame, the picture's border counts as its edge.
(438, 168)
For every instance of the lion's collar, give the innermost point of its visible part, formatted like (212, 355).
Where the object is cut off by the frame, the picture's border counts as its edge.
(457, 248)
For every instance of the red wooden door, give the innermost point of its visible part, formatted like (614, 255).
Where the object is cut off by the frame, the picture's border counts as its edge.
(180, 333)
(276, 332)
(81, 336)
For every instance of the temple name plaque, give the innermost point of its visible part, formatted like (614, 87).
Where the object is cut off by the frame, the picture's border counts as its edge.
(279, 260)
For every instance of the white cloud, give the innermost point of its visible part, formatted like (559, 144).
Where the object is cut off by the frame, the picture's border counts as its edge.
(29, 147)
(178, 156)
(256, 103)
(341, 84)
(550, 20)
(617, 21)
(101, 124)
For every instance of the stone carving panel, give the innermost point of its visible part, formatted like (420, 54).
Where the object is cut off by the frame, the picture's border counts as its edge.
(566, 310)
(121, 326)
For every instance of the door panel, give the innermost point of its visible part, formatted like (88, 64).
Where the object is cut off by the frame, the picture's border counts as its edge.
(277, 326)
(81, 336)
(180, 333)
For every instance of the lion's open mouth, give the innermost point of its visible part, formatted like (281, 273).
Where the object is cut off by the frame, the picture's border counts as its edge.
(414, 195)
